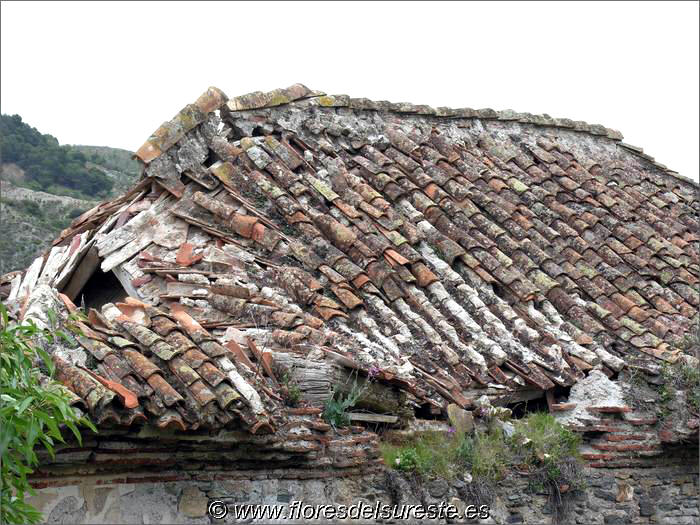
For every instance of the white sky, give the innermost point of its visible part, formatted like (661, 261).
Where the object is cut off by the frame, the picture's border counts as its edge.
(110, 73)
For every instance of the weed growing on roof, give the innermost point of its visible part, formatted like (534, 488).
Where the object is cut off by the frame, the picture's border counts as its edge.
(447, 455)
(637, 377)
(678, 377)
(335, 411)
(290, 388)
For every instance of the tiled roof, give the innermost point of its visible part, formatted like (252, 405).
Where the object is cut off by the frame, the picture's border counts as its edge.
(449, 253)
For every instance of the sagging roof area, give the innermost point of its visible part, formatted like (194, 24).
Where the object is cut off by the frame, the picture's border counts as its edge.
(447, 254)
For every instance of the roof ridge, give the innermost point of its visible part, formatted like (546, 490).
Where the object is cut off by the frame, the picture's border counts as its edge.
(212, 99)
(543, 120)
(277, 97)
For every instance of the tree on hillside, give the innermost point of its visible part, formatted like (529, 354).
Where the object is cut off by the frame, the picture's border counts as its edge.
(46, 163)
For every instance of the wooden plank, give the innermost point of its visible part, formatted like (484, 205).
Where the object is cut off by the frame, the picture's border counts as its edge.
(54, 263)
(372, 418)
(31, 276)
(175, 271)
(131, 230)
(128, 251)
(106, 228)
(125, 278)
(14, 287)
(82, 273)
(314, 378)
(83, 244)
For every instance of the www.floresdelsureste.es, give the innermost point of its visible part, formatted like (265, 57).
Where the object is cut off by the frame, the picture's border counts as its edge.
(297, 510)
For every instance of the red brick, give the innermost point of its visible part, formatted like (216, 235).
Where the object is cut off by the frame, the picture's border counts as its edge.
(157, 479)
(560, 407)
(642, 421)
(112, 481)
(609, 410)
(303, 411)
(597, 428)
(627, 437)
(597, 456)
(666, 436)
(624, 447)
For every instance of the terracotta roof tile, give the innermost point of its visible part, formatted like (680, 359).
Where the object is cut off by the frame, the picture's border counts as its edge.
(412, 229)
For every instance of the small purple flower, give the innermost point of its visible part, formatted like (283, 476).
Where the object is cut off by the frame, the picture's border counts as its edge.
(451, 431)
(373, 372)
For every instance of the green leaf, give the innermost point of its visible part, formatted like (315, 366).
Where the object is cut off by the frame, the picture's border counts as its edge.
(24, 404)
(5, 319)
(32, 434)
(30, 414)
(52, 317)
(46, 358)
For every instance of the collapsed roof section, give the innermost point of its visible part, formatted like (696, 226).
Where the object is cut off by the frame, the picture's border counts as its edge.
(444, 253)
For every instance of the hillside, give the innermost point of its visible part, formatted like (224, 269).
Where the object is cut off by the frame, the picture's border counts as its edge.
(46, 185)
(115, 163)
(30, 221)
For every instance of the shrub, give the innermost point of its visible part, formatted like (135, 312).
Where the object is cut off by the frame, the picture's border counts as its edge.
(428, 454)
(75, 212)
(407, 459)
(486, 454)
(543, 438)
(337, 405)
(546, 450)
(549, 451)
(31, 413)
(675, 377)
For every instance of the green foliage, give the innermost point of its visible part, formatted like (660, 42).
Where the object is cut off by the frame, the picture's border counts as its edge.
(46, 164)
(111, 158)
(539, 445)
(54, 218)
(32, 413)
(428, 454)
(690, 378)
(337, 405)
(677, 377)
(292, 392)
(407, 459)
(486, 454)
(549, 452)
(545, 438)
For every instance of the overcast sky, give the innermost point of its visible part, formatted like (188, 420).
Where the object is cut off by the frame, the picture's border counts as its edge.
(110, 73)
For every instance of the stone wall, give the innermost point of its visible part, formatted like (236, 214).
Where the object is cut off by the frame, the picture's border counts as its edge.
(660, 495)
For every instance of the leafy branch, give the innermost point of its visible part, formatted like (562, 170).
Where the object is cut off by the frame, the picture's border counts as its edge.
(33, 410)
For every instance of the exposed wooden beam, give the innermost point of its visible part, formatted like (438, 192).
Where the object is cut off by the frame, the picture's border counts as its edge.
(372, 418)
